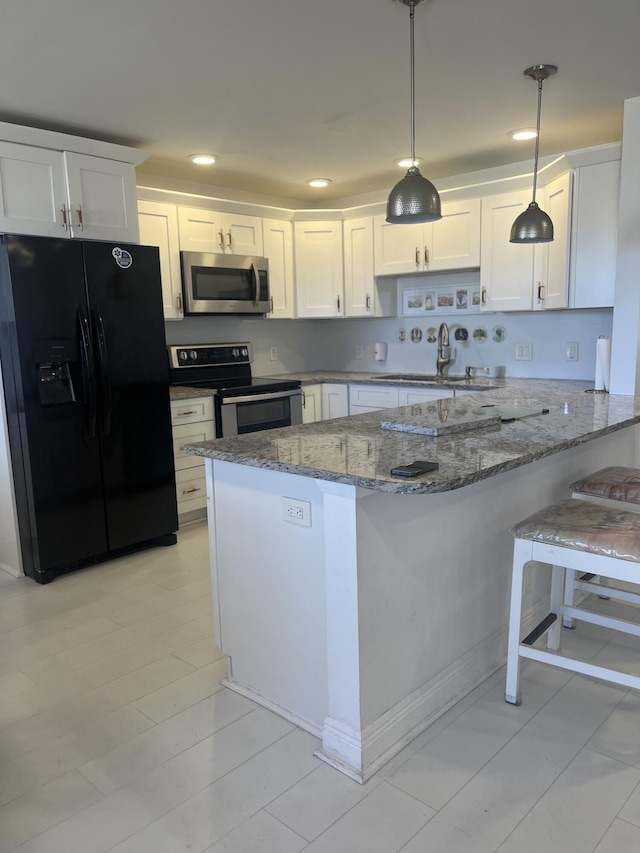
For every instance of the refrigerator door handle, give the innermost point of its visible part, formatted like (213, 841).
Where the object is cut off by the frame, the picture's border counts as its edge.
(88, 373)
(103, 371)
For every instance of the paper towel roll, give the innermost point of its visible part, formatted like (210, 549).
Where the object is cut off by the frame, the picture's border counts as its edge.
(603, 364)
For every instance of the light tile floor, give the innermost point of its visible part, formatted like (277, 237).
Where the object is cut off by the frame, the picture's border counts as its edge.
(116, 735)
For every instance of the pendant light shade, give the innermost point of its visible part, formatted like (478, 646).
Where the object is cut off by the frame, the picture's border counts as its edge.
(414, 198)
(533, 225)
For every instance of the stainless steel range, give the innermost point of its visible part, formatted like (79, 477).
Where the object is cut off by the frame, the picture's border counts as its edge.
(242, 404)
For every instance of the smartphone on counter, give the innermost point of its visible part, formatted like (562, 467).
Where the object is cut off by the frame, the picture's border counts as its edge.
(415, 469)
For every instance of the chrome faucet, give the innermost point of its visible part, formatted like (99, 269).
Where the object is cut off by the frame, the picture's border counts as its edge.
(444, 350)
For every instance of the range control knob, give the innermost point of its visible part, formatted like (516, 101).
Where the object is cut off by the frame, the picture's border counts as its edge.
(245, 352)
(235, 352)
(183, 355)
(193, 355)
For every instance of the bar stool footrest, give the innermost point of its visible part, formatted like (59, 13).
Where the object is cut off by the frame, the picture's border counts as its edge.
(540, 629)
(582, 667)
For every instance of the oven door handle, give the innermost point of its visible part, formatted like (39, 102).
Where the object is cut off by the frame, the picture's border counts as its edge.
(256, 398)
(256, 275)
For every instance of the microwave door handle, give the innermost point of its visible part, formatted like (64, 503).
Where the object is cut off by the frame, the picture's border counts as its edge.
(256, 275)
(256, 398)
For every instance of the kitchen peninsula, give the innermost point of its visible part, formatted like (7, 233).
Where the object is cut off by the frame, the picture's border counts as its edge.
(362, 606)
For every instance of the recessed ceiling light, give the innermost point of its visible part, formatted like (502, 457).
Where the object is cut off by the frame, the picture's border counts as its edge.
(407, 162)
(319, 182)
(202, 159)
(523, 133)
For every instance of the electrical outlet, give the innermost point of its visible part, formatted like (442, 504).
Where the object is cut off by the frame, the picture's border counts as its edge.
(359, 350)
(273, 353)
(523, 352)
(572, 351)
(296, 512)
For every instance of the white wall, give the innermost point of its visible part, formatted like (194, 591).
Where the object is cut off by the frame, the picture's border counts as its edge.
(331, 344)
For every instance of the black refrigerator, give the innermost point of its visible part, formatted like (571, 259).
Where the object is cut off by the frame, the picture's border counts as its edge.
(86, 388)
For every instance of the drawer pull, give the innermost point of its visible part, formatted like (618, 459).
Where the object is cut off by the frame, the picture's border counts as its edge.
(184, 414)
(190, 491)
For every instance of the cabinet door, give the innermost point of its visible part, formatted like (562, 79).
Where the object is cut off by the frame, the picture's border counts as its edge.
(102, 198)
(242, 234)
(359, 281)
(335, 401)
(319, 276)
(159, 227)
(190, 434)
(33, 198)
(595, 235)
(506, 270)
(455, 239)
(200, 230)
(554, 292)
(311, 403)
(398, 248)
(278, 249)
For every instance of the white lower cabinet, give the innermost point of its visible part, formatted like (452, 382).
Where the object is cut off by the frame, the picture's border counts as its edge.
(371, 398)
(412, 396)
(335, 400)
(191, 421)
(311, 403)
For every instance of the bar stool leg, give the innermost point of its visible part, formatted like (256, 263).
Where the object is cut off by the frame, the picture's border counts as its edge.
(555, 606)
(569, 592)
(521, 556)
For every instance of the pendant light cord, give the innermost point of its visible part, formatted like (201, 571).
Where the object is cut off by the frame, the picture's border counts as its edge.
(535, 159)
(412, 9)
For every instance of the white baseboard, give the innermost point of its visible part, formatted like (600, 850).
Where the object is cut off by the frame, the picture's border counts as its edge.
(305, 725)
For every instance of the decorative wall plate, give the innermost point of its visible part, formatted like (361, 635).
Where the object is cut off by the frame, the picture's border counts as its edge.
(479, 335)
(416, 335)
(499, 333)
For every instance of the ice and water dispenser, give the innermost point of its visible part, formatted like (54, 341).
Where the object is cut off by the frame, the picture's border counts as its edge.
(57, 372)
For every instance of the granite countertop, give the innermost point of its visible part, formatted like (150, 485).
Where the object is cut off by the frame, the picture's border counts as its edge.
(185, 392)
(355, 450)
(477, 383)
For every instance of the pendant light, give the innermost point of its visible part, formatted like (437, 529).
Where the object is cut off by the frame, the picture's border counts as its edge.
(414, 198)
(534, 225)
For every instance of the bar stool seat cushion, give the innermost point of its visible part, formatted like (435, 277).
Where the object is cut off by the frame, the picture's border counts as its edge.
(587, 527)
(615, 483)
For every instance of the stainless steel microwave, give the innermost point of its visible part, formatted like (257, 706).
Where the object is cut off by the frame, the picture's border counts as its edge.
(224, 284)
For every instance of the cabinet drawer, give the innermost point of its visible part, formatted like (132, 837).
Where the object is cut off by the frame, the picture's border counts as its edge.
(191, 411)
(372, 397)
(190, 434)
(409, 396)
(191, 489)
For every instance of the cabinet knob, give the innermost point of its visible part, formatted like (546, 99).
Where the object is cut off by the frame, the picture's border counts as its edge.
(63, 211)
(540, 292)
(484, 296)
(79, 215)
(417, 256)
(221, 238)
(271, 304)
(338, 302)
(190, 491)
(179, 301)
(229, 237)
(368, 303)
(426, 256)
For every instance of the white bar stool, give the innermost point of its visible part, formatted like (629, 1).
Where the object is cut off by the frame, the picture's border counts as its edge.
(571, 536)
(607, 487)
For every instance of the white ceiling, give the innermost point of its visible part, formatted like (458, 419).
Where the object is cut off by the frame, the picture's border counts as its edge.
(285, 90)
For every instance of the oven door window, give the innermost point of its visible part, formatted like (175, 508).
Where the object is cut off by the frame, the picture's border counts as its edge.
(266, 414)
(211, 283)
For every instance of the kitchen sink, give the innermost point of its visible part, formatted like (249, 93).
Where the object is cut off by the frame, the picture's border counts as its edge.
(418, 377)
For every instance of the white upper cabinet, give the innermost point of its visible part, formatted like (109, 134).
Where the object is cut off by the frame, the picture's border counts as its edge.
(278, 249)
(507, 269)
(522, 277)
(359, 280)
(204, 230)
(56, 194)
(553, 286)
(595, 235)
(452, 242)
(102, 198)
(159, 227)
(319, 272)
